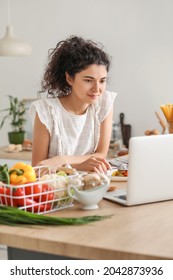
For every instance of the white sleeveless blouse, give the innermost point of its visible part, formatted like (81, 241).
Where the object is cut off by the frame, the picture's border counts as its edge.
(72, 134)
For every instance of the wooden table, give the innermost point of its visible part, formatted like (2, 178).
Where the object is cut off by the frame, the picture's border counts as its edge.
(138, 232)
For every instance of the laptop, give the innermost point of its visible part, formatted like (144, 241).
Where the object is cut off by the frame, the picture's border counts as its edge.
(150, 171)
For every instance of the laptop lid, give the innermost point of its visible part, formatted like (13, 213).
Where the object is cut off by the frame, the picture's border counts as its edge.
(150, 170)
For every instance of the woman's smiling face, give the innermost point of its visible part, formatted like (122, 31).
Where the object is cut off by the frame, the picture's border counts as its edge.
(89, 84)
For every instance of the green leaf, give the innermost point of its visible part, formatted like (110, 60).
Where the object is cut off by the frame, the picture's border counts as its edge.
(3, 120)
(15, 112)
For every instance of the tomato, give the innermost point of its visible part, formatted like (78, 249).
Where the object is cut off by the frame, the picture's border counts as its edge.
(35, 189)
(2, 195)
(125, 173)
(29, 197)
(18, 197)
(6, 196)
(47, 207)
(40, 192)
(39, 208)
(8, 199)
(47, 193)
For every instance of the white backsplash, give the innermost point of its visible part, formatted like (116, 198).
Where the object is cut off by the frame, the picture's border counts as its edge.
(11, 162)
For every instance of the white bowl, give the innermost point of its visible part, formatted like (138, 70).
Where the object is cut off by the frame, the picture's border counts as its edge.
(88, 199)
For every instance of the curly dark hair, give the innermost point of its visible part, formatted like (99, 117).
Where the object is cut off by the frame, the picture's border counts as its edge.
(72, 56)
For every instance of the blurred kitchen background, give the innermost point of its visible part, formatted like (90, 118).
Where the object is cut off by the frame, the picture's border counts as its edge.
(138, 34)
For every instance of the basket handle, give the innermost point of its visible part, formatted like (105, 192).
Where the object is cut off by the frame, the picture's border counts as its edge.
(71, 187)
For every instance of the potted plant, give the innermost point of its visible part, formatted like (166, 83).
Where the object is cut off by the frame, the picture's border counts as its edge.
(15, 113)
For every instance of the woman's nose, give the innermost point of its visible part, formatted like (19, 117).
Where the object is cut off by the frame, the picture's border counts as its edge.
(95, 87)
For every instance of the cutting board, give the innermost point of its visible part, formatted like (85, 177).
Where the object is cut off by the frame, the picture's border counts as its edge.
(126, 130)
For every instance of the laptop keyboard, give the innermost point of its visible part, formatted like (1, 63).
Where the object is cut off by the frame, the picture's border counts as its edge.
(123, 197)
(117, 195)
(120, 163)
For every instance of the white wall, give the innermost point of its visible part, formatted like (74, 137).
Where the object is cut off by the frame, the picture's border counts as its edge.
(138, 34)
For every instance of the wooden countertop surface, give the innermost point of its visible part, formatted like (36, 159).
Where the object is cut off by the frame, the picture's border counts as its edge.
(24, 155)
(138, 232)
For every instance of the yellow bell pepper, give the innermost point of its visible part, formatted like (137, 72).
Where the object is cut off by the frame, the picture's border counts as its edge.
(22, 173)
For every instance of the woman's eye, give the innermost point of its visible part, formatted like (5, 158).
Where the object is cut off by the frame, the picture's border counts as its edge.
(90, 81)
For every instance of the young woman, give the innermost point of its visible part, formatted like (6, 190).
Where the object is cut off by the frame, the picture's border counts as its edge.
(73, 124)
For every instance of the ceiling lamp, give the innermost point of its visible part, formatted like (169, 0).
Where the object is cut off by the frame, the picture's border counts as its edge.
(10, 45)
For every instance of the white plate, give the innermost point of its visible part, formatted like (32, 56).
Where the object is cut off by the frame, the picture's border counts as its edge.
(116, 178)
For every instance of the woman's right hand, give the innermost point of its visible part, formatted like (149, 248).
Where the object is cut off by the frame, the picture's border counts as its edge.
(93, 164)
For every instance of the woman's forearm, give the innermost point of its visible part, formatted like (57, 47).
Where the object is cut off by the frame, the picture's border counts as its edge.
(79, 159)
(65, 159)
(91, 162)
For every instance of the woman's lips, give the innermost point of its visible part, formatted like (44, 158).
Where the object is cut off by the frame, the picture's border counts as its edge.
(93, 96)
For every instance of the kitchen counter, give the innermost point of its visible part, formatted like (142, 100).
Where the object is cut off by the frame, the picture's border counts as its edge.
(138, 232)
(27, 155)
(23, 155)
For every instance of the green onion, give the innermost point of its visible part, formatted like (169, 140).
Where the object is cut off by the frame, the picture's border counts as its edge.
(13, 216)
